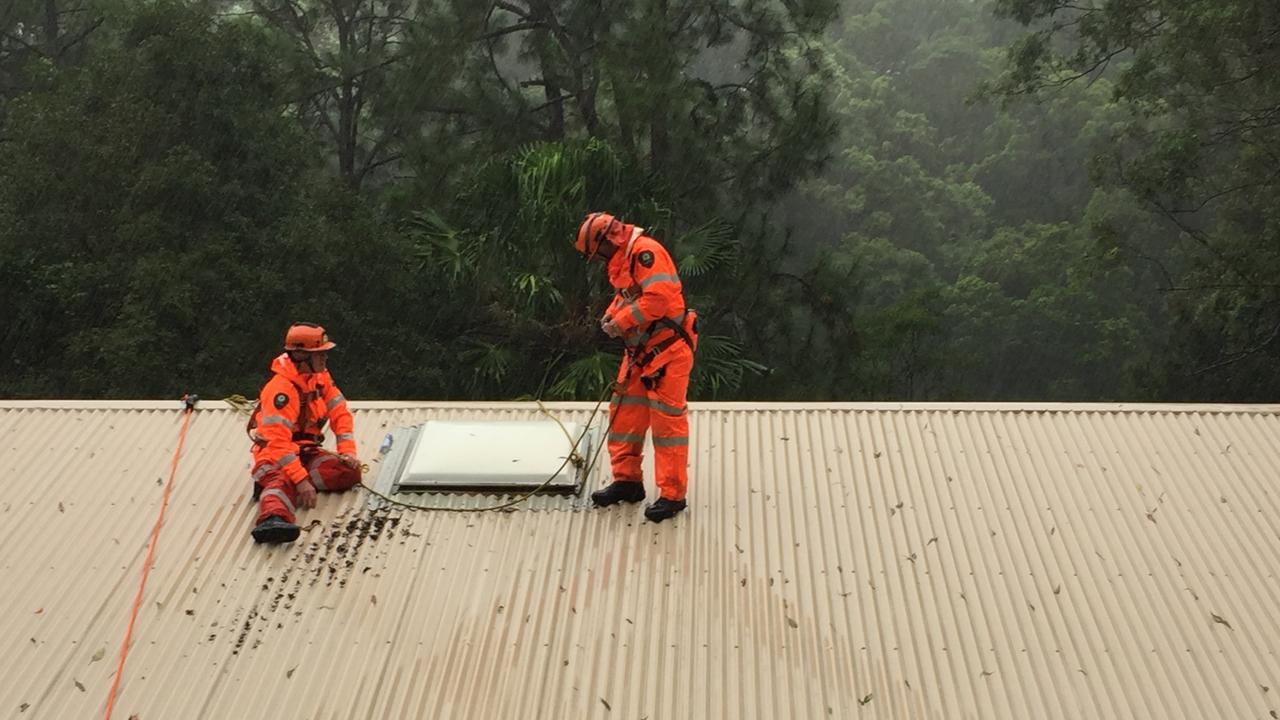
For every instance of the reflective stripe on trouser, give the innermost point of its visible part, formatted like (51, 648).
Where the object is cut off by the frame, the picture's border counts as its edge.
(662, 409)
(279, 495)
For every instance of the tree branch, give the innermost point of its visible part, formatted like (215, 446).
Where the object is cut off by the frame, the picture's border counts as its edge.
(79, 37)
(1238, 356)
(508, 30)
(340, 81)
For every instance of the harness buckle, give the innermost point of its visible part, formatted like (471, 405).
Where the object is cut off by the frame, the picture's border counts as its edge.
(651, 381)
(641, 360)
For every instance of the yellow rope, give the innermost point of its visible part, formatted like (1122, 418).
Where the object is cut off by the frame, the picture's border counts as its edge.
(241, 404)
(574, 457)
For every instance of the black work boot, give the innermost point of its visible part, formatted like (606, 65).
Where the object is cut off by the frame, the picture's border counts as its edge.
(663, 509)
(275, 530)
(618, 491)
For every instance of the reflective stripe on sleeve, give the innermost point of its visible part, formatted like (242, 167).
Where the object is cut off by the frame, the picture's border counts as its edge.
(335, 401)
(344, 437)
(635, 313)
(663, 277)
(276, 420)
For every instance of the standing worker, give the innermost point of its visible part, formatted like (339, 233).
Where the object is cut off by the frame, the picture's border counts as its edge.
(287, 429)
(660, 334)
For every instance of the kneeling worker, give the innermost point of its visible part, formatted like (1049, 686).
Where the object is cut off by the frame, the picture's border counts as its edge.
(287, 430)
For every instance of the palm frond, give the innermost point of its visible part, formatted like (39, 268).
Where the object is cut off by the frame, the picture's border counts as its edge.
(721, 365)
(489, 362)
(443, 248)
(536, 290)
(553, 180)
(706, 248)
(585, 379)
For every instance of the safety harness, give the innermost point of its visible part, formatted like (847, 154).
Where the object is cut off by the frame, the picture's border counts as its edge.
(640, 360)
(304, 417)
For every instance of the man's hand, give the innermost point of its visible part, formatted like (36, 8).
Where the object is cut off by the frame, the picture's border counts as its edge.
(306, 494)
(350, 461)
(609, 327)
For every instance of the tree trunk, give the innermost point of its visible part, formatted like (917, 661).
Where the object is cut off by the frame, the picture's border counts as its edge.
(551, 89)
(348, 123)
(51, 42)
(554, 97)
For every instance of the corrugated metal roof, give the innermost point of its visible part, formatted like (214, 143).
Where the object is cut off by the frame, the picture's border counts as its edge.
(890, 561)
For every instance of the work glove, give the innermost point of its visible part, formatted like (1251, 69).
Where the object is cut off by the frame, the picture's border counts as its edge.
(610, 328)
(306, 494)
(350, 461)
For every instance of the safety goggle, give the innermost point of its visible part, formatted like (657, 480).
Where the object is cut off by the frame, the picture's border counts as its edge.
(599, 239)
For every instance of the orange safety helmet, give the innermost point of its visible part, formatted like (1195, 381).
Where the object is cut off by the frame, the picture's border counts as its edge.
(307, 337)
(593, 232)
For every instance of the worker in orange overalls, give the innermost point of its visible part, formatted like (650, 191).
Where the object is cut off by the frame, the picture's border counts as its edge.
(287, 429)
(649, 315)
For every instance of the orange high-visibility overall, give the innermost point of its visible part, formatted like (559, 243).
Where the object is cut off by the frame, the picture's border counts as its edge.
(653, 379)
(287, 429)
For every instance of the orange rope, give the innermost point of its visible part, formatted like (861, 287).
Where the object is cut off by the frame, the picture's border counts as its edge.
(146, 565)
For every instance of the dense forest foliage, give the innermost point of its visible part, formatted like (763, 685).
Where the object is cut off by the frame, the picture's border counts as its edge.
(867, 200)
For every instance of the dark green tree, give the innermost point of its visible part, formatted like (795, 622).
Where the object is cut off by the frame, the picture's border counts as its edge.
(162, 220)
(723, 101)
(933, 199)
(1198, 150)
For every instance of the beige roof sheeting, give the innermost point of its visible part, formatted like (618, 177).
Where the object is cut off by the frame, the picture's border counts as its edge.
(837, 560)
